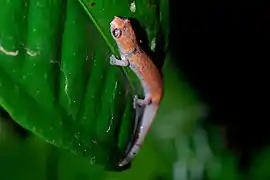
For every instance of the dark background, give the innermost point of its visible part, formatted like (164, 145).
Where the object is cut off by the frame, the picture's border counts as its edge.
(224, 53)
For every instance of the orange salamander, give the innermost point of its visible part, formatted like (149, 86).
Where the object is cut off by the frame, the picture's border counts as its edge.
(141, 64)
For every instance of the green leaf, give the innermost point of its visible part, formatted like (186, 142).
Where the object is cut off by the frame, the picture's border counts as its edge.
(152, 16)
(55, 77)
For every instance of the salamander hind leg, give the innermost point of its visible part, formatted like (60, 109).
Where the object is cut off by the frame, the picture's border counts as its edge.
(118, 62)
(141, 102)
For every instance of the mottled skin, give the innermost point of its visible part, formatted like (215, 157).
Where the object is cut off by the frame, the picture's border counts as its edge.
(141, 64)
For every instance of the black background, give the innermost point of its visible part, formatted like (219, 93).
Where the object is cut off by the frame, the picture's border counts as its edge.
(224, 53)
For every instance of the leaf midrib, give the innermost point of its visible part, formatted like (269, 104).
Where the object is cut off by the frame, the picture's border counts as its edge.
(105, 39)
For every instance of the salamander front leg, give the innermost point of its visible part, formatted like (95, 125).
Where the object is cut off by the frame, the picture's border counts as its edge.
(117, 62)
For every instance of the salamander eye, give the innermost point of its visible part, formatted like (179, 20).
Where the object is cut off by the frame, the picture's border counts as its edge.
(116, 32)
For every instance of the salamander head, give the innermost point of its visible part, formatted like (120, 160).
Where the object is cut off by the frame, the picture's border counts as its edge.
(123, 34)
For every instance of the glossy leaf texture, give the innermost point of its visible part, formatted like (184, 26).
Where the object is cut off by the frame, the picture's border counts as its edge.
(55, 76)
(151, 19)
